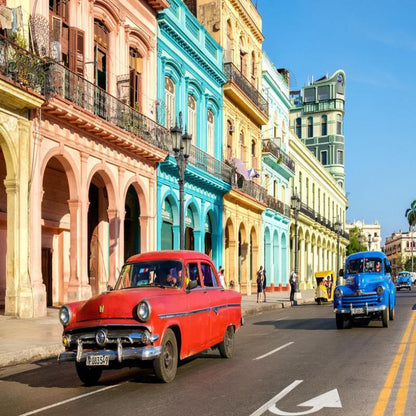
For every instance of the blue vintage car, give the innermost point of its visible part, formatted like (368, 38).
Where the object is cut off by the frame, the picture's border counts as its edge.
(404, 281)
(368, 291)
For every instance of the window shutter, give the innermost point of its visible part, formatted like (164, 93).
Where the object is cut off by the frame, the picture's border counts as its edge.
(76, 50)
(56, 33)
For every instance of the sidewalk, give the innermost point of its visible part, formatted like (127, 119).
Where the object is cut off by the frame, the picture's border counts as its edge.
(28, 340)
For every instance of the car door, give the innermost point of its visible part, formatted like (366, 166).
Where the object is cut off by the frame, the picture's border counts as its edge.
(218, 302)
(196, 331)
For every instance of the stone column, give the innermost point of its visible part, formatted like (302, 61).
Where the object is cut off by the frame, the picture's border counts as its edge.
(74, 251)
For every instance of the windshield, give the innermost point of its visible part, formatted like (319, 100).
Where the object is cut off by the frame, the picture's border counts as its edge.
(165, 273)
(366, 264)
(404, 274)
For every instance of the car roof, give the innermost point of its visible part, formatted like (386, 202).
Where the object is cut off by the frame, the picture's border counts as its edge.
(169, 255)
(362, 254)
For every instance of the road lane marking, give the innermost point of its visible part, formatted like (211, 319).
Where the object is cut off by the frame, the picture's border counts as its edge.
(328, 399)
(401, 397)
(276, 398)
(385, 392)
(70, 400)
(272, 352)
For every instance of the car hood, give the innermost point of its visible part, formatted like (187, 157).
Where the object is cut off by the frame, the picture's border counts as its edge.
(363, 281)
(118, 304)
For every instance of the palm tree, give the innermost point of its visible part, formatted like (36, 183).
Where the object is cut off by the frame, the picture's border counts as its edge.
(411, 218)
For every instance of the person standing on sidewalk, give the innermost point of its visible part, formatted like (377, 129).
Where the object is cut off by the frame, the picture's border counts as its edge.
(221, 277)
(293, 279)
(264, 285)
(260, 280)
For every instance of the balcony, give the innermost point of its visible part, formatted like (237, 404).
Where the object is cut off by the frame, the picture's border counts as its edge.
(269, 146)
(326, 105)
(239, 88)
(278, 206)
(18, 65)
(250, 188)
(209, 164)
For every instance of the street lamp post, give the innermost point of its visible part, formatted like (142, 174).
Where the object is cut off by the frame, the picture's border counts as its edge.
(181, 144)
(295, 205)
(369, 242)
(338, 230)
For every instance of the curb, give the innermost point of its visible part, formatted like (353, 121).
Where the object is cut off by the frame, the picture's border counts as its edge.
(31, 355)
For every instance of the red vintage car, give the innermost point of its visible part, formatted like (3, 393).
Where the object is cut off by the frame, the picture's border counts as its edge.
(166, 306)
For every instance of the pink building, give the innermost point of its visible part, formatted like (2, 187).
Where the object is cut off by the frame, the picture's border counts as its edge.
(92, 154)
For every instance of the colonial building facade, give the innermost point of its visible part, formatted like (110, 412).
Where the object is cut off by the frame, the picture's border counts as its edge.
(278, 170)
(190, 83)
(91, 174)
(370, 234)
(321, 218)
(399, 247)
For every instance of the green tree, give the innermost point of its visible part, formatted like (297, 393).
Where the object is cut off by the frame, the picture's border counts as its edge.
(410, 214)
(355, 244)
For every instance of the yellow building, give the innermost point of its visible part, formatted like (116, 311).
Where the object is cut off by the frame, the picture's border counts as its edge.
(237, 27)
(322, 206)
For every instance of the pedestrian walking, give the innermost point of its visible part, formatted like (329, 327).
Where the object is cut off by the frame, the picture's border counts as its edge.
(293, 279)
(264, 285)
(260, 279)
(221, 276)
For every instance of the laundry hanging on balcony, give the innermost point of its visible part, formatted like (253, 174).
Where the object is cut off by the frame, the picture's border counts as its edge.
(241, 169)
(252, 173)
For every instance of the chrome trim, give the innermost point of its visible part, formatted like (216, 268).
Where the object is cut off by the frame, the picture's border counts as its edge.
(368, 309)
(111, 337)
(196, 311)
(147, 353)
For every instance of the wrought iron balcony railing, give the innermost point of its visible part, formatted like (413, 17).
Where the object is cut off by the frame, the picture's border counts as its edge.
(250, 188)
(210, 165)
(238, 78)
(278, 206)
(270, 147)
(311, 213)
(62, 82)
(19, 65)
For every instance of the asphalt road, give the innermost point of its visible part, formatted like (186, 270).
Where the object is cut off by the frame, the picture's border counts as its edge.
(286, 362)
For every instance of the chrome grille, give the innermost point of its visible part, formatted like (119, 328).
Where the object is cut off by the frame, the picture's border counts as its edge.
(369, 299)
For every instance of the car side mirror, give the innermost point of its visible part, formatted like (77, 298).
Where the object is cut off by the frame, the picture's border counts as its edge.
(341, 272)
(192, 284)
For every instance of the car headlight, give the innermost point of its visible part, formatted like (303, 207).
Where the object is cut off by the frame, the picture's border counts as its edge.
(380, 290)
(338, 292)
(144, 311)
(65, 315)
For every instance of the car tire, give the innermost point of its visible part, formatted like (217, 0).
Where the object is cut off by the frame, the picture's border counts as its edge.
(226, 346)
(339, 319)
(166, 364)
(88, 375)
(391, 314)
(385, 316)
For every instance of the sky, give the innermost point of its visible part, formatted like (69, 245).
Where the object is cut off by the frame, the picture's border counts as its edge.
(374, 42)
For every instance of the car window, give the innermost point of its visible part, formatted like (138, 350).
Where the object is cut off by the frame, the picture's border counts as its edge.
(167, 273)
(365, 264)
(209, 275)
(192, 273)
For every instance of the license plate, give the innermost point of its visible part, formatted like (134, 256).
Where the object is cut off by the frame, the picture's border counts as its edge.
(98, 360)
(355, 311)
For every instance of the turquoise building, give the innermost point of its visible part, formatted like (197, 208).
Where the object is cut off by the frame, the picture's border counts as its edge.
(278, 169)
(189, 90)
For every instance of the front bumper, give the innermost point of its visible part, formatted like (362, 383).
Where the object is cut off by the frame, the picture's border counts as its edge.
(362, 310)
(122, 354)
(404, 286)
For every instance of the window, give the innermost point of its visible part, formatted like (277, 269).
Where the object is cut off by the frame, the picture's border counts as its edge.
(242, 152)
(253, 67)
(169, 103)
(266, 182)
(192, 273)
(253, 155)
(300, 185)
(101, 53)
(210, 279)
(324, 155)
(229, 43)
(275, 189)
(299, 127)
(230, 129)
(192, 117)
(324, 126)
(283, 195)
(339, 124)
(340, 157)
(313, 196)
(135, 68)
(309, 95)
(210, 133)
(307, 191)
(310, 127)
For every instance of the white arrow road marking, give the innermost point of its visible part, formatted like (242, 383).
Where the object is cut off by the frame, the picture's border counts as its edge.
(272, 352)
(328, 399)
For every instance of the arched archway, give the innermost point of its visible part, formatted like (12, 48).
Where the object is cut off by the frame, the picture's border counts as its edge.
(276, 258)
(230, 259)
(132, 230)
(56, 230)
